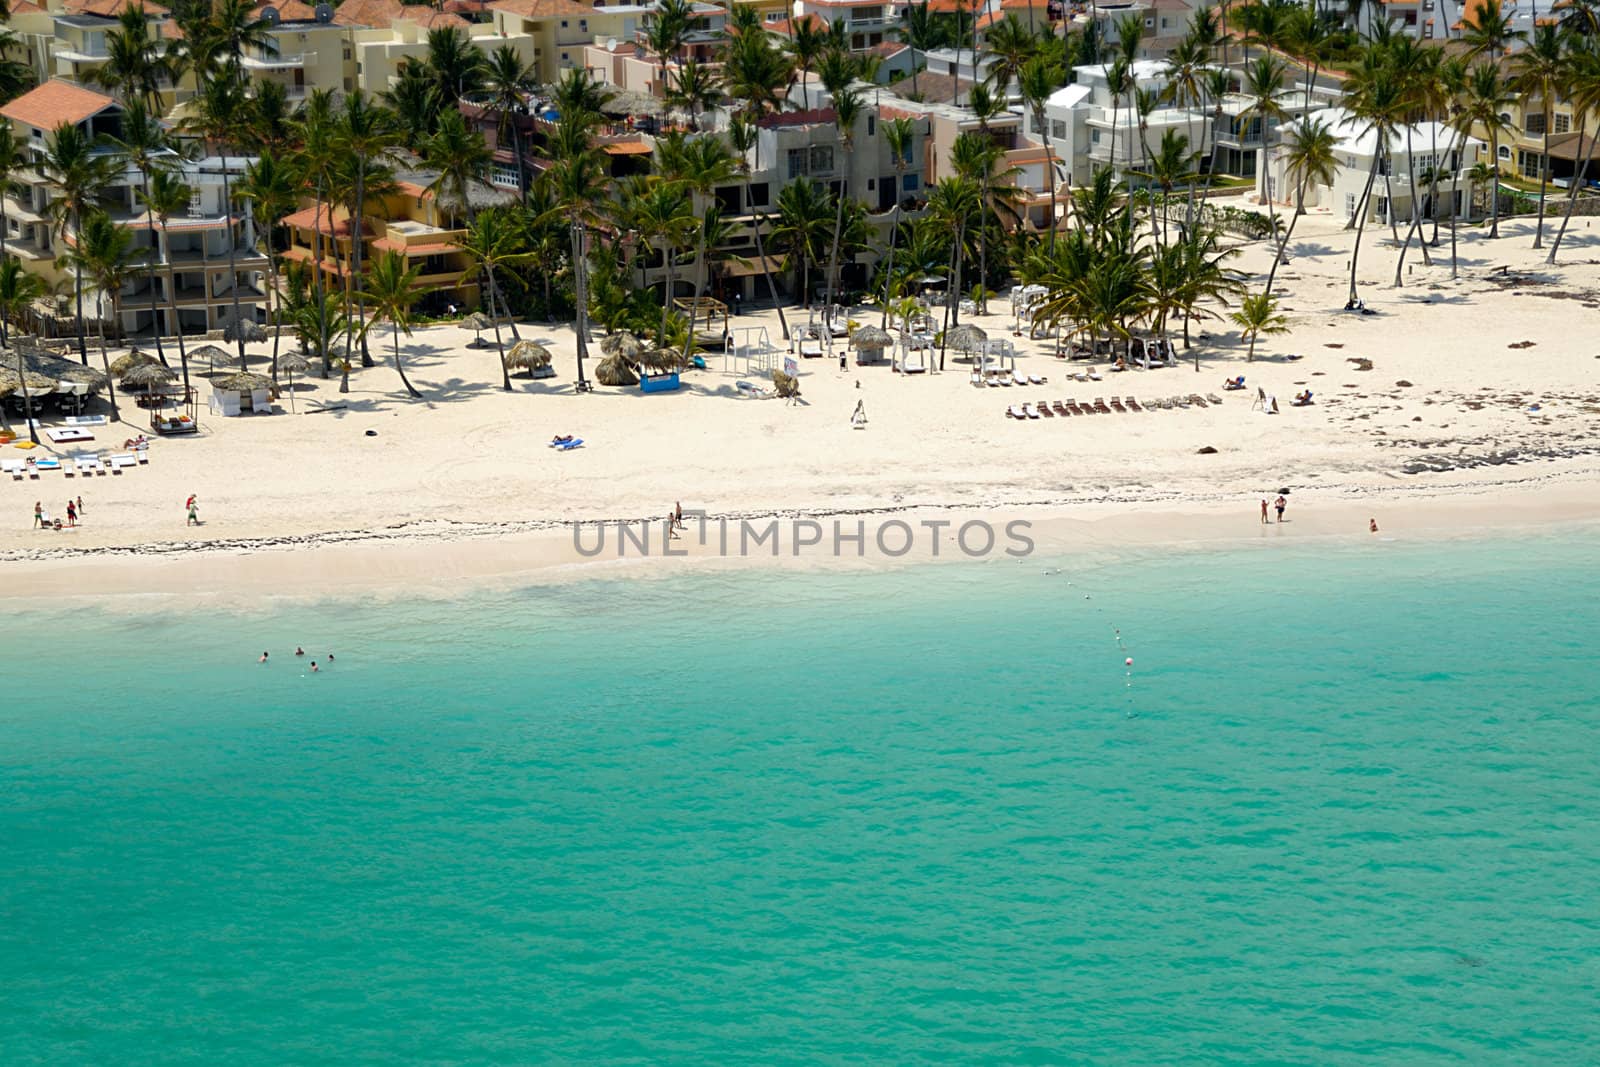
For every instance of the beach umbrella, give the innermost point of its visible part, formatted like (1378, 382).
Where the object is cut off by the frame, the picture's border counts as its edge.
(211, 354)
(477, 322)
(528, 355)
(871, 337)
(965, 337)
(242, 382)
(614, 370)
(663, 360)
(129, 360)
(622, 343)
(37, 383)
(148, 375)
(56, 368)
(245, 329)
(292, 363)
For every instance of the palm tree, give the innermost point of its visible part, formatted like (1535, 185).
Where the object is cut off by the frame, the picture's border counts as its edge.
(707, 165)
(803, 228)
(1217, 83)
(847, 108)
(1487, 99)
(1489, 33)
(1009, 44)
(366, 135)
(1171, 166)
(699, 89)
(144, 143)
(462, 157)
(666, 217)
(458, 68)
(133, 66)
(807, 43)
(954, 202)
(579, 183)
(1037, 82)
(104, 251)
(413, 96)
(743, 135)
(976, 157)
(509, 81)
(79, 174)
(166, 196)
(1374, 99)
(1308, 157)
(1119, 80)
(391, 288)
(1258, 315)
(1540, 71)
(493, 240)
(665, 34)
(18, 289)
(1583, 90)
(271, 188)
(1263, 83)
(316, 158)
(218, 117)
(898, 133)
(755, 71)
(921, 30)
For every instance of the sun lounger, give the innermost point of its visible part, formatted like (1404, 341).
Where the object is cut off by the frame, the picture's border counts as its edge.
(913, 364)
(1116, 405)
(86, 420)
(13, 467)
(1060, 408)
(1074, 408)
(1197, 400)
(143, 455)
(810, 348)
(1214, 398)
(1017, 379)
(1027, 409)
(977, 378)
(121, 461)
(1094, 375)
(1043, 408)
(64, 434)
(48, 463)
(1034, 379)
(568, 446)
(1131, 404)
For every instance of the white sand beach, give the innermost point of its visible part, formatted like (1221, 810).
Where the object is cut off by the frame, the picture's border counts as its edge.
(1483, 391)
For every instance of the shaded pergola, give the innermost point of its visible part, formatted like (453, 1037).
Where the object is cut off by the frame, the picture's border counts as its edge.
(707, 309)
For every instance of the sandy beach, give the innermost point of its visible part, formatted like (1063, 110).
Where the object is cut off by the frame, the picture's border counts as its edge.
(1480, 408)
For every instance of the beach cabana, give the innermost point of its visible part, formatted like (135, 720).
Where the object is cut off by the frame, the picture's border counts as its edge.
(663, 366)
(232, 394)
(622, 343)
(614, 370)
(710, 311)
(532, 357)
(128, 361)
(965, 338)
(869, 343)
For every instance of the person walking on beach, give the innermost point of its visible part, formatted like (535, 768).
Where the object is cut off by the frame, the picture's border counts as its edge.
(1372, 525)
(38, 513)
(80, 506)
(1264, 519)
(194, 511)
(1280, 504)
(72, 514)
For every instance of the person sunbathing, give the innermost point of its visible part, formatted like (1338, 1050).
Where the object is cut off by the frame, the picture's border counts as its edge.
(1302, 399)
(561, 440)
(1233, 383)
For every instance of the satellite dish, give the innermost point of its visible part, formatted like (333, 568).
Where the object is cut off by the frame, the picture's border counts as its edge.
(324, 12)
(611, 44)
(269, 15)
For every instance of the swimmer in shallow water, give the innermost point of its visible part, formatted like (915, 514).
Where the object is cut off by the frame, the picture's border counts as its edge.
(313, 666)
(263, 658)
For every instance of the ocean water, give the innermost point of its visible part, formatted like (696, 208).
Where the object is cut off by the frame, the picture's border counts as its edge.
(1343, 809)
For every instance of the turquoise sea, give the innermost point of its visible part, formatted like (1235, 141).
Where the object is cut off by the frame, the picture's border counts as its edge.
(1344, 809)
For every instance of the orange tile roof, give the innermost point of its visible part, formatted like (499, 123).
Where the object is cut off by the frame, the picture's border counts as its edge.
(26, 7)
(368, 12)
(56, 102)
(110, 9)
(626, 148)
(288, 10)
(317, 218)
(785, 27)
(543, 9)
(431, 248)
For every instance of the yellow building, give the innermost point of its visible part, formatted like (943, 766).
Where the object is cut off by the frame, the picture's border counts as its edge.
(408, 220)
(382, 35)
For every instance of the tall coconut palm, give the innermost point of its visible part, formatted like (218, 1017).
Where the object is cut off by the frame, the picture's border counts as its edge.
(1490, 32)
(79, 173)
(579, 183)
(18, 289)
(1583, 90)
(1486, 100)
(13, 158)
(144, 142)
(1376, 102)
(166, 196)
(1308, 158)
(509, 80)
(899, 134)
(1039, 79)
(366, 136)
(317, 133)
(458, 68)
(743, 136)
(390, 288)
(954, 202)
(218, 118)
(271, 188)
(921, 30)
(1263, 84)
(666, 218)
(1172, 165)
(104, 252)
(1540, 71)
(803, 228)
(698, 89)
(847, 108)
(461, 157)
(807, 44)
(494, 241)
(1009, 45)
(133, 66)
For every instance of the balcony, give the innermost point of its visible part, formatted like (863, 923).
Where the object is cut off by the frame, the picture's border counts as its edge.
(282, 61)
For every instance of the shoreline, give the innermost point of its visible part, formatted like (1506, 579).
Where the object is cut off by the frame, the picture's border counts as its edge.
(441, 559)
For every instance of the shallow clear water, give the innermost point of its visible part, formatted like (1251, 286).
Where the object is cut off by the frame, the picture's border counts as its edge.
(1342, 811)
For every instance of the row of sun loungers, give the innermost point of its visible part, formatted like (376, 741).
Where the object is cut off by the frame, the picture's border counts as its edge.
(997, 378)
(1101, 406)
(79, 466)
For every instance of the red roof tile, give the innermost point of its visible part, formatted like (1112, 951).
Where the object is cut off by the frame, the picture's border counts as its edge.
(56, 102)
(543, 9)
(110, 9)
(317, 218)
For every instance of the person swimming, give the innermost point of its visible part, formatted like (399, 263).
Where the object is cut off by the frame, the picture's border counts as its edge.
(313, 666)
(299, 651)
(263, 658)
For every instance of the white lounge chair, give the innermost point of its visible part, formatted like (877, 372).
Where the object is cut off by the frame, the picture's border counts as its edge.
(1028, 410)
(1017, 379)
(1014, 412)
(64, 434)
(977, 378)
(87, 420)
(13, 467)
(913, 364)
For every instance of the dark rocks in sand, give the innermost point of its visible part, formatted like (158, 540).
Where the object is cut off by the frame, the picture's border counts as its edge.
(1207, 451)
(1361, 364)
(1521, 344)
(1333, 344)
(1402, 383)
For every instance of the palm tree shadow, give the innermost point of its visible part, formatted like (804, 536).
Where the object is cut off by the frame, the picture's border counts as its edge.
(1307, 248)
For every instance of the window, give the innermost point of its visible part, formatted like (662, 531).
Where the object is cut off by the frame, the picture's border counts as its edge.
(909, 183)
(1563, 124)
(758, 194)
(797, 162)
(1533, 122)
(1094, 136)
(872, 125)
(1349, 205)
(504, 176)
(583, 25)
(1058, 129)
(563, 23)
(821, 159)
(1505, 151)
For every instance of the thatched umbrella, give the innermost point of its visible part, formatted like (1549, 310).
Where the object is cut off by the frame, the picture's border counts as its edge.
(661, 360)
(148, 375)
(211, 354)
(247, 330)
(37, 383)
(614, 370)
(966, 337)
(528, 355)
(622, 343)
(129, 360)
(871, 339)
(787, 385)
(242, 382)
(292, 363)
(477, 322)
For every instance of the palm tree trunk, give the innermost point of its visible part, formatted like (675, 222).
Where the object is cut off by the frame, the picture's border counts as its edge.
(1360, 219)
(155, 317)
(888, 272)
(1544, 181)
(83, 341)
(580, 291)
(172, 303)
(356, 254)
(1494, 183)
(27, 400)
(1572, 194)
(410, 389)
(1388, 191)
(233, 274)
(838, 227)
(275, 306)
(522, 177)
(666, 295)
(105, 362)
